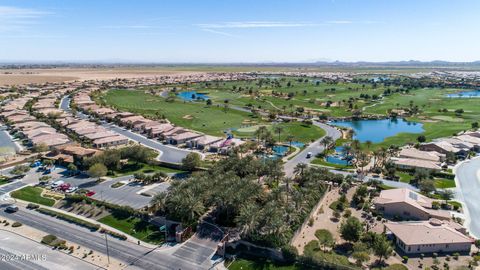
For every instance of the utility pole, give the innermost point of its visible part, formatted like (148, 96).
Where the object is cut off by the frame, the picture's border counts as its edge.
(106, 244)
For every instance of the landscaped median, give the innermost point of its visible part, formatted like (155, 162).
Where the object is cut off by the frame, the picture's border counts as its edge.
(77, 221)
(32, 194)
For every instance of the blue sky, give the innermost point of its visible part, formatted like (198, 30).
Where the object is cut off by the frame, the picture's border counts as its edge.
(239, 31)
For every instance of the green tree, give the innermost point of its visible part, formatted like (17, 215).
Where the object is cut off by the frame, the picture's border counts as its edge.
(278, 129)
(351, 229)
(382, 248)
(325, 238)
(421, 139)
(97, 170)
(326, 141)
(191, 161)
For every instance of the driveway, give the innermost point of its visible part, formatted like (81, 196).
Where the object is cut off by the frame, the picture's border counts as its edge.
(468, 192)
(7, 142)
(315, 148)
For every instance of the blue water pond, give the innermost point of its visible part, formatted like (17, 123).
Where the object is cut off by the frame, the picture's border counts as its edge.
(377, 130)
(192, 95)
(465, 94)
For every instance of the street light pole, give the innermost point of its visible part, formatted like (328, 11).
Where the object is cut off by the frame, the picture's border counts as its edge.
(106, 244)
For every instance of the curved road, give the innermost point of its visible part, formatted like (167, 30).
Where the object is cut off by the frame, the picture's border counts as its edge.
(314, 147)
(468, 192)
(168, 154)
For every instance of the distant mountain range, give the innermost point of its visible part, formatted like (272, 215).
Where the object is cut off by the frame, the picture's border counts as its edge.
(365, 64)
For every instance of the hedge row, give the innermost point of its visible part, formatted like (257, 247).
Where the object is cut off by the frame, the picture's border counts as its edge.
(68, 218)
(114, 234)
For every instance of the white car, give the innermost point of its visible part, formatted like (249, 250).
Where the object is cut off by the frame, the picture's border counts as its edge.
(309, 154)
(71, 189)
(57, 183)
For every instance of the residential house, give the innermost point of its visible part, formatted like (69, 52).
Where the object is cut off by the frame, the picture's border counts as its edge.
(408, 204)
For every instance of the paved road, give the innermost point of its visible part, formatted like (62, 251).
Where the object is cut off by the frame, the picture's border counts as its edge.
(41, 257)
(6, 141)
(7, 188)
(314, 148)
(468, 192)
(134, 255)
(168, 153)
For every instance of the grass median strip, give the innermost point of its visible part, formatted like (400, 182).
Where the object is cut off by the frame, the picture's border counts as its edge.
(68, 218)
(32, 194)
(135, 227)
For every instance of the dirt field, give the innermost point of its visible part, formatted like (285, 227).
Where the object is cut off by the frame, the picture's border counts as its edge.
(24, 76)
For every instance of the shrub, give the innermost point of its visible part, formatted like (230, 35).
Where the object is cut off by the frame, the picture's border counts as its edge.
(68, 218)
(16, 224)
(114, 234)
(456, 255)
(405, 259)
(32, 206)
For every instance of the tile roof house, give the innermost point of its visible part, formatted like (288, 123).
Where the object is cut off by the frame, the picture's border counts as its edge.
(110, 141)
(410, 163)
(408, 204)
(423, 155)
(430, 236)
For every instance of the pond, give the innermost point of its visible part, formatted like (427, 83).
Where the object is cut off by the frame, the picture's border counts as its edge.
(339, 157)
(280, 150)
(465, 94)
(298, 144)
(377, 130)
(192, 95)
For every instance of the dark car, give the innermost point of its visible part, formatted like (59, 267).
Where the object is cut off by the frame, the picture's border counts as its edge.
(11, 209)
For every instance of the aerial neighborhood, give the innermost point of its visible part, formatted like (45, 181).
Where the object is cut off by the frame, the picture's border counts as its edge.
(239, 135)
(125, 148)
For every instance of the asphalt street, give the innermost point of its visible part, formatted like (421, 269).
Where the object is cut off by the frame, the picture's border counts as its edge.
(20, 253)
(134, 255)
(315, 148)
(468, 191)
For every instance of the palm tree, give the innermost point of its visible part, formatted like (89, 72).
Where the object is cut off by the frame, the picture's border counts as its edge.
(278, 130)
(290, 139)
(300, 168)
(158, 203)
(248, 218)
(368, 144)
(326, 141)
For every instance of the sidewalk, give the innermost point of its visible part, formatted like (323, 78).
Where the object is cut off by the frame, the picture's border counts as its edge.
(129, 237)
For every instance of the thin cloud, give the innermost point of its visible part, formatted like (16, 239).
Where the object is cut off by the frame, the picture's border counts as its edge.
(254, 24)
(340, 22)
(218, 32)
(15, 18)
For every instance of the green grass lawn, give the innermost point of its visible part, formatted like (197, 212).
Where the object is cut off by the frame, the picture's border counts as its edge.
(322, 162)
(242, 264)
(135, 227)
(211, 120)
(4, 181)
(32, 194)
(444, 183)
(300, 132)
(404, 177)
(132, 168)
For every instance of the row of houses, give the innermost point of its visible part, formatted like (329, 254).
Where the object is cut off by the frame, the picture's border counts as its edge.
(427, 230)
(155, 129)
(432, 155)
(35, 132)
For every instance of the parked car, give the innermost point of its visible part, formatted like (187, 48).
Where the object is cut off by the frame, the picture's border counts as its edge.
(57, 183)
(36, 164)
(11, 208)
(90, 193)
(71, 189)
(64, 187)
